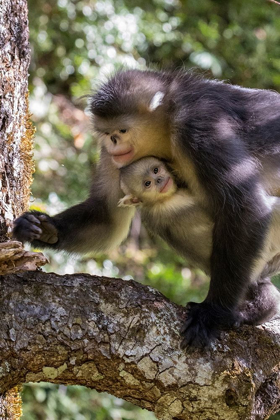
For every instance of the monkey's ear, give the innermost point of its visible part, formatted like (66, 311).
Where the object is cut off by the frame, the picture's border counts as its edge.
(129, 201)
(156, 101)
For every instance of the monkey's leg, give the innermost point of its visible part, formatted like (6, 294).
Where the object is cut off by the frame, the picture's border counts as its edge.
(241, 221)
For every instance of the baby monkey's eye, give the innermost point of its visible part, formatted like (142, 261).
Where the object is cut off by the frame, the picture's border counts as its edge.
(106, 133)
(123, 131)
(147, 183)
(155, 170)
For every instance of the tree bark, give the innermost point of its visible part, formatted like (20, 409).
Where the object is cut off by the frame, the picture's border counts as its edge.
(16, 134)
(16, 131)
(122, 337)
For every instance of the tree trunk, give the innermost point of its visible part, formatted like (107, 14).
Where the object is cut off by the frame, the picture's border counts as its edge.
(123, 338)
(16, 131)
(15, 138)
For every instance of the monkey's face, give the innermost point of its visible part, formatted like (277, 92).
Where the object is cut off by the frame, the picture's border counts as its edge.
(129, 138)
(117, 136)
(147, 181)
(157, 184)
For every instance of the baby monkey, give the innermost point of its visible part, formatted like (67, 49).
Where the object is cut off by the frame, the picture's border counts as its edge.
(172, 213)
(169, 211)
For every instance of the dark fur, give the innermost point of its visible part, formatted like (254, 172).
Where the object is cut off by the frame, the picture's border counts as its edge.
(217, 132)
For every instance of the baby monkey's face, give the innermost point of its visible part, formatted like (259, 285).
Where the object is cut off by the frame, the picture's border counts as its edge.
(147, 181)
(157, 182)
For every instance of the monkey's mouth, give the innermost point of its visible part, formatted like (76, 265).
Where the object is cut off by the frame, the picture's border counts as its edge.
(167, 185)
(122, 157)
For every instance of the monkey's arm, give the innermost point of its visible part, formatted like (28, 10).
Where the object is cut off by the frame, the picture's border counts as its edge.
(95, 225)
(241, 217)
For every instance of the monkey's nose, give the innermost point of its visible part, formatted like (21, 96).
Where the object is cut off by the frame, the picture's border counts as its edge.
(159, 180)
(113, 139)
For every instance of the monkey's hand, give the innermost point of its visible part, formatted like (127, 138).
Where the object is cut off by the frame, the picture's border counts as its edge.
(204, 323)
(35, 226)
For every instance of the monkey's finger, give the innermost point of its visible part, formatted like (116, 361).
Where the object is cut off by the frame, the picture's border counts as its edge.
(43, 217)
(49, 228)
(35, 229)
(31, 218)
(49, 238)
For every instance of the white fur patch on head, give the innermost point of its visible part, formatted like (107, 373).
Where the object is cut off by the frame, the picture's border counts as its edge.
(156, 101)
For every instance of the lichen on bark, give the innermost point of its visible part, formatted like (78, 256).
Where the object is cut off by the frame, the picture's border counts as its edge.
(10, 405)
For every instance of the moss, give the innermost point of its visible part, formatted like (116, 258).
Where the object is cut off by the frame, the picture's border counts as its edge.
(26, 155)
(13, 404)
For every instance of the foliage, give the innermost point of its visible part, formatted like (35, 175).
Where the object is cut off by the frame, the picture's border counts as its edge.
(49, 402)
(75, 45)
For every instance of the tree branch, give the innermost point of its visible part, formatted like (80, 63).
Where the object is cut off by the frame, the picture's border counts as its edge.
(122, 337)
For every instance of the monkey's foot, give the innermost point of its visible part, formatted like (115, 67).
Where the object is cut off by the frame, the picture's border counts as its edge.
(35, 226)
(261, 303)
(204, 323)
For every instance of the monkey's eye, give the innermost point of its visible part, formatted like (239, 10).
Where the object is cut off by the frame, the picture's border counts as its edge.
(155, 170)
(147, 184)
(107, 134)
(123, 131)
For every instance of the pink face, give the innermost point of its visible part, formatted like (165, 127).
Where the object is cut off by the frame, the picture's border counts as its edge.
(156, 180)
(118, 138)
(128, 139)
(146, 182)
(143, 130)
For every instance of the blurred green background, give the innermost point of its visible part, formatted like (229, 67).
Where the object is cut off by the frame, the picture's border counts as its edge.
(75, 46)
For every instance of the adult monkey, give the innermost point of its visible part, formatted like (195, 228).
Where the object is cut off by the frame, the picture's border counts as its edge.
(222, 141)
